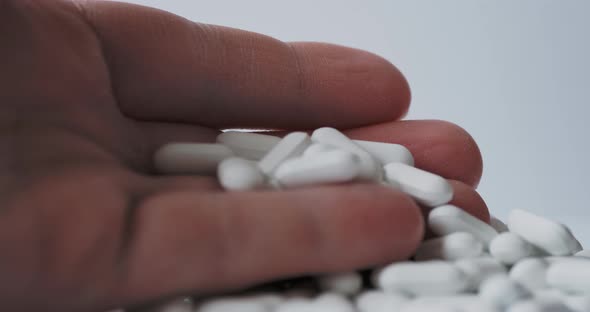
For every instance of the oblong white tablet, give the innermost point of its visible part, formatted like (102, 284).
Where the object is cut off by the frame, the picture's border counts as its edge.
(423, 278)
(509, 248)
(551, 237)
(449, 247)
(448, 219)
(248, 145)
(335, 166)
(239, 174)
(370, 167)
(427, 188)
(387, 153)
(292, 145)
(190, 158)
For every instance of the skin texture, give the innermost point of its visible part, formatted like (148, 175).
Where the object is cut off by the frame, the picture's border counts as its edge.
(90, 89)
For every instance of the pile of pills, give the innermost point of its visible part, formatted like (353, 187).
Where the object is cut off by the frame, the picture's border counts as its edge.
(529, 264)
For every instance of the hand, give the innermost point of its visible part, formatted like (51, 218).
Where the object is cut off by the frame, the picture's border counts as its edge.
(88, 91)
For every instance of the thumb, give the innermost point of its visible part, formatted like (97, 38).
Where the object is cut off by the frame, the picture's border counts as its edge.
(187, 242)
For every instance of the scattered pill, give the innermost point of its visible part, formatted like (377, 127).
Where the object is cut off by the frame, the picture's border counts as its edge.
(551, 237)
(530, 273)
(348, 283)
(449, 247)
(426, 188)
(190, 158)
(535, 305)
(248, 145)
(479, 269)
(498, 225)
(501, 291)
(570, 276)
(509, 248)
(423, 278)
(380, 301)
(449, 219)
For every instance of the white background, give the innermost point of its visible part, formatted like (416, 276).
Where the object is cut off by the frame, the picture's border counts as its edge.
(515, 74)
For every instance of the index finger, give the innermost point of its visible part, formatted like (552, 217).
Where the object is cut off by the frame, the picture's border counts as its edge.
(166, 68)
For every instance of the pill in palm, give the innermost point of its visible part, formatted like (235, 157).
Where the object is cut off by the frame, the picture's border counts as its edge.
(248, 145)
(292, 145)
(190, 158)
(426, 188)
(335, 166)
(387, 153)
(238, 174)
(316, 148)
(370, 168)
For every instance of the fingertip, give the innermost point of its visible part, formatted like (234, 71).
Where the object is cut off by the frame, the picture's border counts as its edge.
(469, 200)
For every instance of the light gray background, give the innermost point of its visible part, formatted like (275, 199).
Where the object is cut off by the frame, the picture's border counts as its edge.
(515, 74)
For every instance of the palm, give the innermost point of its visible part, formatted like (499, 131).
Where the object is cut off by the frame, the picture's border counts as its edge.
(87, 225)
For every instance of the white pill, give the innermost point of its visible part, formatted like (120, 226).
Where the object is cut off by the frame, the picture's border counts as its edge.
(347, 283)
(536, 305)
(570, 276)
(248, 145)
(427, 188)
(332, 302)
(233, 305)
(178, 305)
(459, 303)
(292, 145)
(190, 158)
(296, 305)
(448, 219)
(583, 253)
(380, 301)
(449, 247)
(423, 278)
(530, 273)
(480, 269)
(317, 148)
(239, 174)
(578, 303)
(510, 248)
(387, 153)
(498, 225)
(551, 237)
(335, 166)
(502, 291)
(370, 168)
